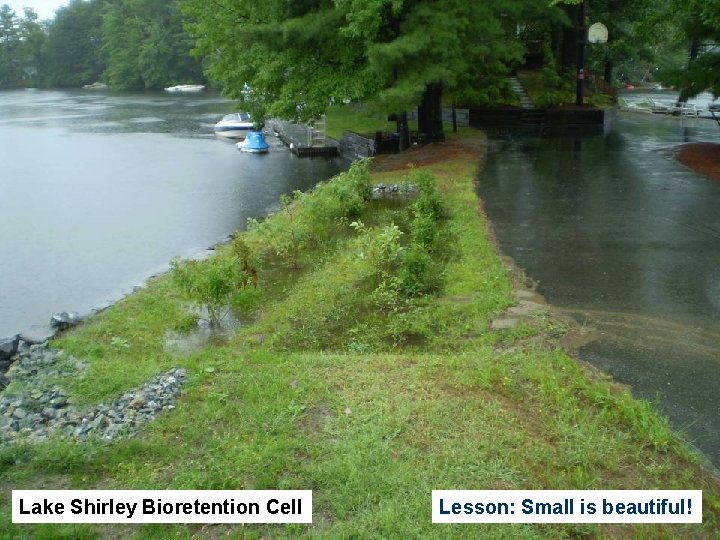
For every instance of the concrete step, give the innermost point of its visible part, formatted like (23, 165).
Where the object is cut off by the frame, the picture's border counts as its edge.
(519, 91)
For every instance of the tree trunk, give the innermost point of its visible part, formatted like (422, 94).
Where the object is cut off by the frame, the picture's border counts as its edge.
(569, 41)
(403, 132)
(430, 114)
(694, 51)
(607, 73)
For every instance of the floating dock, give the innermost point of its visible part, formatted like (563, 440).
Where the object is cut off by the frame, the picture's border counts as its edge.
(304, 140)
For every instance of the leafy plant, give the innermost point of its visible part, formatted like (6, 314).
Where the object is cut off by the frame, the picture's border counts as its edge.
(305, 221)
(428, 202)
(414, 272)
(211, 283)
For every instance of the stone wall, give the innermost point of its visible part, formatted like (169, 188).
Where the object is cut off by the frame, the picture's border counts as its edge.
(355, 146)
(462, 116)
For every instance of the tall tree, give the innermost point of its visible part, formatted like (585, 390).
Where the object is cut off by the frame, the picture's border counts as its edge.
(422, 49)
(21, 41)
(72, 56)
(698, 24)
(146, 45)
(33, 37)
(631, 39)
(10, 66)
(278, 58)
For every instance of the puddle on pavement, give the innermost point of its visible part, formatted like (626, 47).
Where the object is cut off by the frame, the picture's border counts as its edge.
(620, 236)
(664, 362)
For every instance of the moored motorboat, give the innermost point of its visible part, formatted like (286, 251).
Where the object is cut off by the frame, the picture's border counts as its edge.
(186, 88)
(234, 126)
(254, 143)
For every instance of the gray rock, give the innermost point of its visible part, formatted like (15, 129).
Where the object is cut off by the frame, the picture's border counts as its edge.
(504, 324)
(58, 402)
(9, 346)
(139, 401)
(65, 320)
(40, 411)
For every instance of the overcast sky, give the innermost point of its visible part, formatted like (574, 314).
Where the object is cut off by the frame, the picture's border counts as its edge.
(44, 8)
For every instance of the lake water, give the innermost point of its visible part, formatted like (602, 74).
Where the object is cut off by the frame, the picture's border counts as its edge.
(667, 98)
(99, 191)
(627, 240)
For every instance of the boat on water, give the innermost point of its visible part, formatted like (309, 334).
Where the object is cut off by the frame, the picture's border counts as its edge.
(96, 86)
(234, 126)
(254, 143)
(186, 88)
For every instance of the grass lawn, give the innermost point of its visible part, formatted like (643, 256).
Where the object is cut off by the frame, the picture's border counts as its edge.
(366, 371)
(355, 117)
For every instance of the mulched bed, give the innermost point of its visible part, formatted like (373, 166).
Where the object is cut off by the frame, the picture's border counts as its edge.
(703, 158)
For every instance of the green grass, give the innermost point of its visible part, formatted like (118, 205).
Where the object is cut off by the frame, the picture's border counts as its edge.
(355, 118)
(320, 390)
(360, 119)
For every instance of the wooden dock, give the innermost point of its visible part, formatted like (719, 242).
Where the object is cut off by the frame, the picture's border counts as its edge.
(303, 140)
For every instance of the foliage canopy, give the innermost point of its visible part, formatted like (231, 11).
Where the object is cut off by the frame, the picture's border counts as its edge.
(293, 59)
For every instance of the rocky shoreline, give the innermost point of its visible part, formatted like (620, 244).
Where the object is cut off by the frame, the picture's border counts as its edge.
(33, 407)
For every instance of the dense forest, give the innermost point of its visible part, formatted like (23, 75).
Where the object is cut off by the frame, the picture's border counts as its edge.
(128, 44)
(293, 58)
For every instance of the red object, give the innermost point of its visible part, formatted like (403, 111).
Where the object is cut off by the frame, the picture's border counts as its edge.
(629, 86)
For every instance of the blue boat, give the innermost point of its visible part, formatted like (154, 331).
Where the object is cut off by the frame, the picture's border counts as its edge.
(254, 143)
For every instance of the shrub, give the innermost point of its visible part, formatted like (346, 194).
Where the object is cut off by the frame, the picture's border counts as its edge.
(211, 283)
(414, 272)
(304, 220)
(428, 202)
(423, 231)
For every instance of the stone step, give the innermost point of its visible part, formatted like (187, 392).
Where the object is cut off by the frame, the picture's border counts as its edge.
(519, 91)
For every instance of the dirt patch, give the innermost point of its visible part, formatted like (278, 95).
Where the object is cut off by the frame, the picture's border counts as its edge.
(429, 154)
(314, 420)
(53, 481)
(702, 158)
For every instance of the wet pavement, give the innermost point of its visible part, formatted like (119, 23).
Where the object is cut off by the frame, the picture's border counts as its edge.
(102, 190)
(626, 240)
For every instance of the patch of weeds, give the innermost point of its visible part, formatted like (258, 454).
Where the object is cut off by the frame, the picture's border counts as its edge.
(13, 455)
(118, 342)
(213, 282)
(186, 323)
(550, 325)
(306, 220)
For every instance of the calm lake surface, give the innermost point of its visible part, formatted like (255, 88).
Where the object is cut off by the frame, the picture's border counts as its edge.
(627, 240)
(102, 190)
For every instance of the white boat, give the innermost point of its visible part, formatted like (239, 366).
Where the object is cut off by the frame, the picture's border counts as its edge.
(234, 126)
(186, 88)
